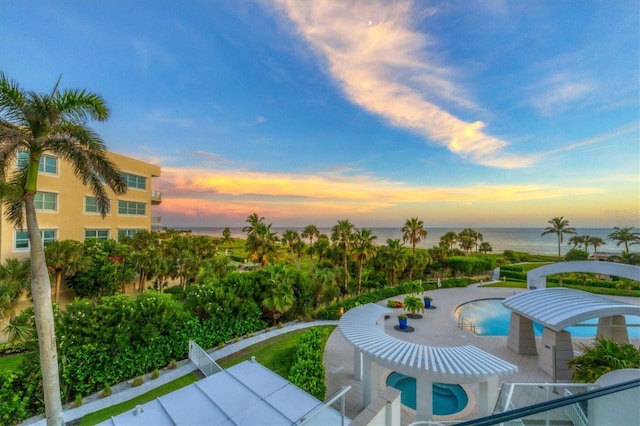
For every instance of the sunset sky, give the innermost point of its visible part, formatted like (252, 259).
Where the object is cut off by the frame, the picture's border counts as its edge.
(481, 113)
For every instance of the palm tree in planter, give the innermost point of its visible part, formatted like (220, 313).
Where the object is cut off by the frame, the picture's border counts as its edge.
(413, 305)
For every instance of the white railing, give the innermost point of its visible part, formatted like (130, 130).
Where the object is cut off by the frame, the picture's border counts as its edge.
(156, 195)
(339, 394)
(156, 220)
(575, 412)
(201, 358)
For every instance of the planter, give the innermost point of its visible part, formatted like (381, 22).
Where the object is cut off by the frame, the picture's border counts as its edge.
(402, 323)
(427, 303)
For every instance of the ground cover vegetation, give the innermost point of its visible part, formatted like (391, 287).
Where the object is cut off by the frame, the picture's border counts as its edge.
(214, 290)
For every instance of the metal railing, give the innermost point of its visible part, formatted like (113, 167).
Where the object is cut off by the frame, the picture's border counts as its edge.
(339, 394)
(201, 358)
(156, 195)
(519, 414)
(464, 323)
(156, 220)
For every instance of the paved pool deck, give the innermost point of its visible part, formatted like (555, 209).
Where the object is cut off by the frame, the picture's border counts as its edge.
(438, 327)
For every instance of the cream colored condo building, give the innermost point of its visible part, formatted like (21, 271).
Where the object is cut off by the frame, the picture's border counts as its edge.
(67, 210)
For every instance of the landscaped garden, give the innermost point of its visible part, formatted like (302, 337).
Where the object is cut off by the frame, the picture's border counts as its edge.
(189, 289)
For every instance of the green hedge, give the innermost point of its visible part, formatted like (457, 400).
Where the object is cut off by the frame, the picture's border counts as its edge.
(307, 371)
(333, 312)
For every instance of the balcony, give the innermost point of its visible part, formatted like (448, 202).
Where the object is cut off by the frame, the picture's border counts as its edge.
(156, 198)
(156, 220)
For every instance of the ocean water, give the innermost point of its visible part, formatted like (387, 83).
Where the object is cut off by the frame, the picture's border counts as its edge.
(526, 240)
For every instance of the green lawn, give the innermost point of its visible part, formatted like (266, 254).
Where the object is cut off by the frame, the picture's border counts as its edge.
(275, 354)
(11, 362)
(510, 284)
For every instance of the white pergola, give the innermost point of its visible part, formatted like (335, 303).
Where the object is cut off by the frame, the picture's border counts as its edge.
(364, 328)
(556, 309)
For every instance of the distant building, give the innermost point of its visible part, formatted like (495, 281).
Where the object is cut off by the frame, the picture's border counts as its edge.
(67, 210)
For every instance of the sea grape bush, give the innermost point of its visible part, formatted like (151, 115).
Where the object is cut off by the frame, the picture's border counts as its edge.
(115, 338)
(307, 371)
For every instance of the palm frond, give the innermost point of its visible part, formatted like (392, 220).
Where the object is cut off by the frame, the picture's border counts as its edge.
(12, 100)
(77, 106)
(12, 196)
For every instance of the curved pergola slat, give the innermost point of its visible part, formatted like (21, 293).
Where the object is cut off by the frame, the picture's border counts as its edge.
(460, 364)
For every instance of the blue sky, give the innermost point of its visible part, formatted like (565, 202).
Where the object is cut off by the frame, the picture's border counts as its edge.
(483, 113)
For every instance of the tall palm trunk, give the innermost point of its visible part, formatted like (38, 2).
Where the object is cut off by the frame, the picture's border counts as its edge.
(41, 293)
(346, 271)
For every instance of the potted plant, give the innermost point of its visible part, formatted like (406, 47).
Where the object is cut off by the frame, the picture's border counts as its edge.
(402, 321)
(427, 301)
(413, 305)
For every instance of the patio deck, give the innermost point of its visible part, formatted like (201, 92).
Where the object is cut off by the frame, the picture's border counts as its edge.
(438, 327)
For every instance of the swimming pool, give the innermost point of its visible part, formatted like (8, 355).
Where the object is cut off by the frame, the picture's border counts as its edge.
(491, 318)
(447, 398)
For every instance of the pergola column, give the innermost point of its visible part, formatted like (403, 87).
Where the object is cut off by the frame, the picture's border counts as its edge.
(556, 350)
(357, 364)
(488, 396)
(367, 382)
(424, 397)
(613, 328)
(521, 336)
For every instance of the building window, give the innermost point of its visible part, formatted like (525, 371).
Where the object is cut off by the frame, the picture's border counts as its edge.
(128, 232)
(131, 207)
(100, 234)
(22, 238)
(91, 205)
(134, 181)
(48, 164)
(47, 201)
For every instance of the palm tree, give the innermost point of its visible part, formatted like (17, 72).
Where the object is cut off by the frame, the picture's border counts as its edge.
(449, 239)
(624, 236)
(485, 247)
(364, 249)
(279, 297)
(559, 226)
(289, 238)
(14, 277)
(310, 232)
(413, 232)
(226, 238)
(341, 236)
(596, 242)
(64, 258)
(394, 259)
(321, 247)
(50, 123)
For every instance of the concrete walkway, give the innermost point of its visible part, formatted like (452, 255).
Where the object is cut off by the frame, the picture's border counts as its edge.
(125, 391)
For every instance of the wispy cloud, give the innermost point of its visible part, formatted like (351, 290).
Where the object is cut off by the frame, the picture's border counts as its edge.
(387, 67)
(147, 52)
(237, 192)
(557, 92)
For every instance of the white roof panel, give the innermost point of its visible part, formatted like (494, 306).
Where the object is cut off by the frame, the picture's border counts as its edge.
(245, 394)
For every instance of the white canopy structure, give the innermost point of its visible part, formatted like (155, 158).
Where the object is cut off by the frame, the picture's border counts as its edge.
(364, 328)
(556, 309)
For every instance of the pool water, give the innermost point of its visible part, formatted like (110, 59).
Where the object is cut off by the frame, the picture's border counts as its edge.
(491, 318)
(447, 398)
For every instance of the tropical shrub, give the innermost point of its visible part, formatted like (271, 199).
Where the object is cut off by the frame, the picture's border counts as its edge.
(307, 371)
(603, 356)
